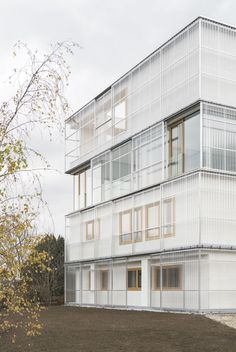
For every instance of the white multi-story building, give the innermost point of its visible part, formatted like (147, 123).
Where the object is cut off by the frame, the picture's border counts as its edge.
(153, 159)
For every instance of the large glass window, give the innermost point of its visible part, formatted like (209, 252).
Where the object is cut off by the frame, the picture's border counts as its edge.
(147, 157)
(192, 143)
(184, 145)
(101, 178)
(121, 170)
(176, 149)
(82, 189)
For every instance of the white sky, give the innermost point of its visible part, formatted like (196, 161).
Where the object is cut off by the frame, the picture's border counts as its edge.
(115, 35)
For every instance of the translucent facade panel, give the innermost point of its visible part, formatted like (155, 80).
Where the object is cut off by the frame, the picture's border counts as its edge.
(180, 212)
(195, 209)
(164, 217)
(219, 138)
(218, 63)
(73, 237)
(121, 170)
(73, 284)
(218, 209)
(191, 280)
(167, 81)
(175, 281)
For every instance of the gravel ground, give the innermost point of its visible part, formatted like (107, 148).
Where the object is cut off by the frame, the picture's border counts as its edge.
(226, 319)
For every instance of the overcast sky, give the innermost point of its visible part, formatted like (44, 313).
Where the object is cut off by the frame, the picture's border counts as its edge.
(115, 35)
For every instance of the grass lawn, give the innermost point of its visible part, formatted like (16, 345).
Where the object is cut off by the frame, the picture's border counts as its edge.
(72, 329)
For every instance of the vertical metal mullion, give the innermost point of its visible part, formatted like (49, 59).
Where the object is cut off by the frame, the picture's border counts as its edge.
(163, 150)
(199, 280)
(81, 288)
(200, 58)
(160, 281)
(95, 284)
(183, 283)
(91, 168)
(126, 289)
(201, 135)
(111, 283)
(65, 284)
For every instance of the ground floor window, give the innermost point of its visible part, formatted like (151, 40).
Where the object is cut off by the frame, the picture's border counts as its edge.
(134, 279)
(171, 277)
(104, 280)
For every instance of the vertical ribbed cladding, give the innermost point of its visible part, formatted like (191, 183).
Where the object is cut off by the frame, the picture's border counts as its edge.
(219, 138)
(165, 82)
(218, 63)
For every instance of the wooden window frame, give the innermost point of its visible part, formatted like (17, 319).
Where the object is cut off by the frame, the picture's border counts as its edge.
(84, 185)
(136, 270)
(129, 211)
(150, 205)
(170, 128)
(172, 201)
(92, 222)
(137, 209)
(166, 288)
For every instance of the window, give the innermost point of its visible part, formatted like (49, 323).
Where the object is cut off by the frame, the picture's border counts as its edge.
(134, 279)
(86, 280)
(147, 157)
(104, 280)
(120, 111)
(152, 221)
(125, 224)
(191, 143)
(184, 145)
(120, 120)
(92, 229)
(176, 149)
(103, 118)
(138, 224)
(171, 278)
(130, 229)
(86, 130)
(169, 217)
(101, 178)
(83, 189)
(121, 170)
